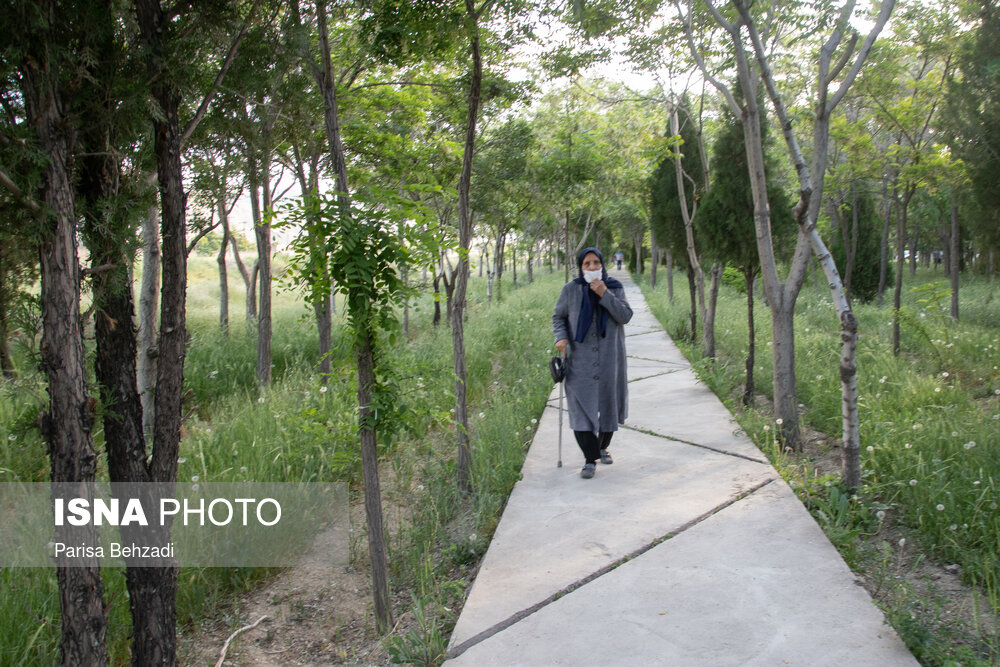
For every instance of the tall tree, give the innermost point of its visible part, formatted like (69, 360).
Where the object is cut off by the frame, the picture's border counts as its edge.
(974, 121)
(754, 64)
(725, 220)
(43, 56)
(667, 220)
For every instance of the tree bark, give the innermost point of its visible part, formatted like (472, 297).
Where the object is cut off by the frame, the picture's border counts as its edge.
(464, 242)
(373, 494)
(883, 276)
(708, 336)
(654, 260)
(748, 387)
(223, 272)
(670, 277)
(955, 263)
(365, 357)
(897, 298)
(713, 299)
(68, 422)
(149, 305)
(153, 591)
(6, 363)
(693, 292)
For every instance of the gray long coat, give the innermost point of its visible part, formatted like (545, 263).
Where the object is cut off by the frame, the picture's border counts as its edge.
(596, 382)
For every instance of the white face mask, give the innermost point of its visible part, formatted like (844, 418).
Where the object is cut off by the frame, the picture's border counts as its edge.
(591, 276)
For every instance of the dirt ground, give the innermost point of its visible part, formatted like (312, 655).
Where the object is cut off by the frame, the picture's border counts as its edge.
(304, 616)
(324, 616)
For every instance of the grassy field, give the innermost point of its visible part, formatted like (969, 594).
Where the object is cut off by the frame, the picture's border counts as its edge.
(930, 433)
(303, 431)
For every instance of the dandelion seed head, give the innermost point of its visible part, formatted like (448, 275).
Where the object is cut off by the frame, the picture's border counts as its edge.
(870, 448)
(940, 507)
(913, 482)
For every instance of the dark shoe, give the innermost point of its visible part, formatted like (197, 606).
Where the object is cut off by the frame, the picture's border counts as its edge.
(606, 458)
(588, 471)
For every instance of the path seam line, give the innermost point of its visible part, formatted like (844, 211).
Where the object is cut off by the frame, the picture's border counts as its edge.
(614, 565)
(694, 444)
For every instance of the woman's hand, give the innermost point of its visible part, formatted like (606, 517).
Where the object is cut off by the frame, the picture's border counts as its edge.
(599, 287)
(561, 346)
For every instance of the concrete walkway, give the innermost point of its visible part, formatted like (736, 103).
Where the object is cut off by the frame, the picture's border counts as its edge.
(689, 550)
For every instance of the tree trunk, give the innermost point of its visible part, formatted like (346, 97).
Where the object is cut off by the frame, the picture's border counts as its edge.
(670, 277)
(693, 291)
(708, 339)
(252, 295)
(324, 325)
(748, 387)
(437, 298)
(149, 305)
(153, 591)
(68, 422)
(365, 357)
(713, 298)
(464, 241)
(262, 234)
(223, 272)
(513, 265)
(955, 250)
(851, 242)
(373, 494)
(897, 298)
(883, 275)
(567, 260)
(248, 281)
(654, 260)
(498, 262)
(6, 363)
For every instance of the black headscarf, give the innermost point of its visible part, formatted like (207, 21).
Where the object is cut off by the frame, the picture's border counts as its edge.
(590, 299)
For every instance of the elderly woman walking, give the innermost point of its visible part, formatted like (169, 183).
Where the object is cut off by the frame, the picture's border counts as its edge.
(588, 324)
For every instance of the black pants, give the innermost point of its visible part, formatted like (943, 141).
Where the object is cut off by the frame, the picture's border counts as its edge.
(591, 444)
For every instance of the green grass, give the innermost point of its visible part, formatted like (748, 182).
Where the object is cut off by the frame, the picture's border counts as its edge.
(930, 418)
(300, 430)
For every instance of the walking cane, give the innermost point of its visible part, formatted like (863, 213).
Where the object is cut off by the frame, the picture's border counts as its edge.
(558, 369)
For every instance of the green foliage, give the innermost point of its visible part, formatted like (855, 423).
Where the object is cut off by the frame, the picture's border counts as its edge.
(864, 278)
(23, 453)
(361, 246)
(725, 227)
(424, 645)
(974, 116)
(666, 219)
